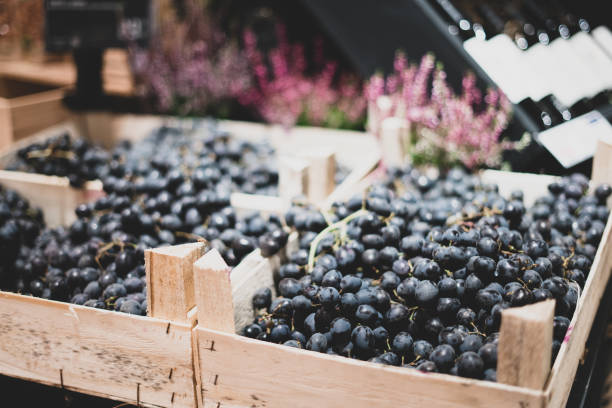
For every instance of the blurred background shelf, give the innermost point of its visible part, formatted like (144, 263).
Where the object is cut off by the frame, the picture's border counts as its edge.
(116, 72)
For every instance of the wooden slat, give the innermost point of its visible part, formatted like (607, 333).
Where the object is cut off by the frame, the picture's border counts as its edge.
(321, 173)
(6, 124)
(98, 352)
(51, 194)
(21, 116)
(259, 274)
(573, 346)
(241, 372)
(292, 177)
(392, 132)
(525, 345)
(265, 205)
(213, 292)
(170, 290)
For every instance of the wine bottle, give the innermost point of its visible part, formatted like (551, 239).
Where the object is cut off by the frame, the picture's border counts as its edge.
(500, 58)
(574, 82)
(457, 23)
(586, 47)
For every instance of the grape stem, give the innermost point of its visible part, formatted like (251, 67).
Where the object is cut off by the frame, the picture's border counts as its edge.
(330, 228)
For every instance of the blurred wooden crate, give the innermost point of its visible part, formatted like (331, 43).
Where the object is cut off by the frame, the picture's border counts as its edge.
(26, 108)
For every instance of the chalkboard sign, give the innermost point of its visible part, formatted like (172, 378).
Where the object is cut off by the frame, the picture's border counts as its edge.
(78, 24)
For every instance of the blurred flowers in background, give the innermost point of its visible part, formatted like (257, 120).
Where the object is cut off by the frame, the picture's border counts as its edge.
(288, 92)
(190, 67)
(442, 127)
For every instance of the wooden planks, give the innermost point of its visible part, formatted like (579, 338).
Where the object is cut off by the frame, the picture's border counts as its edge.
(170, 283)
(355, 150)
(292, 178)
(53, 195)
(392, 133)
(241, 372)
(565, 366)
(525, 345)
(213, 292)
(115, 355)
(27, 108)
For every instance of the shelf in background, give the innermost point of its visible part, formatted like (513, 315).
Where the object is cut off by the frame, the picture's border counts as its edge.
(116, 72)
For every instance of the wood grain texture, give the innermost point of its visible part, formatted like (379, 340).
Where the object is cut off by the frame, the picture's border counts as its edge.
(6, 124)
(98, 352)
(170, 285)
(573, 346)
(392, 133)
(53, 195)
(321, 180)
(358, 151)
(24, 115)
(213, 292)
(292, 177)
(241, 372)
(525, 345)
(253, 273)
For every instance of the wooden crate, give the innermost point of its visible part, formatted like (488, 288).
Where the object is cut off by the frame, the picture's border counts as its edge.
(300, 171)
(307, 149)
(52, 194)
(146, 361)
(236, 371)
(141, 360)
(26, 108)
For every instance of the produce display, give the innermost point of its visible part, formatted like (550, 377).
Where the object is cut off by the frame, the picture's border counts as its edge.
(169, 189)
(99, 260)
(417, 271)
(63, 156)
(195, 160)
(212, 159)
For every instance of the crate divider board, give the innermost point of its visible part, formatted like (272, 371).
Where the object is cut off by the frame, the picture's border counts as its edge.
(237, 371)
(526, 328)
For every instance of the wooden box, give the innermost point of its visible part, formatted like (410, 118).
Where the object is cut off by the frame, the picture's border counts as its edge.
(236, 371)
(145, 361)
(305, 172)
(52, 194)
(26, 108)
(308, 151)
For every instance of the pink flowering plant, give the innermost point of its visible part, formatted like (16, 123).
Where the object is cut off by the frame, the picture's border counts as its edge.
(191, 68)
(286, 91)
(444, 128)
